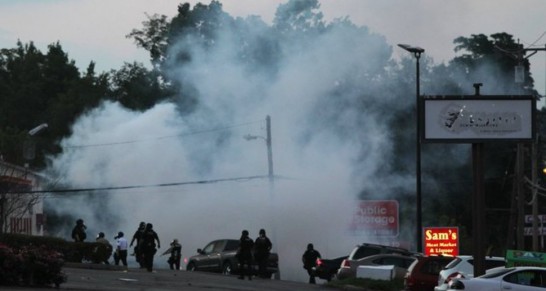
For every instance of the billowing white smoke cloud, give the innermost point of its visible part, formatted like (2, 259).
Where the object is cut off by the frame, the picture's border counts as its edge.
(312, 91)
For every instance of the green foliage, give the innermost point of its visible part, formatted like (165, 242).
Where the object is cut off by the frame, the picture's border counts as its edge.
(153, 37)
(40, 88)
(298, 17)
(137, 88)
(499, 54)
(87, 252)
(48, 88)
(29, 263)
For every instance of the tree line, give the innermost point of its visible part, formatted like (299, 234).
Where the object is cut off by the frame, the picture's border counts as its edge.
(47, 87)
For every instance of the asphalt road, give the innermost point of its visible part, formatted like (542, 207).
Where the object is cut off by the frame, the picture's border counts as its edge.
(111, 279)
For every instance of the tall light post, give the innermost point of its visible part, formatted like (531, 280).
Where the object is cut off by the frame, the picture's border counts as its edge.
(417, 51)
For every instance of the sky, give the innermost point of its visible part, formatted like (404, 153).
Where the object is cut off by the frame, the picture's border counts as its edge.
(325, 168)
(93, 30)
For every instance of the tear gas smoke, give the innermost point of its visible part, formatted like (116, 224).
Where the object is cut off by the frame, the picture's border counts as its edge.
(325, 141)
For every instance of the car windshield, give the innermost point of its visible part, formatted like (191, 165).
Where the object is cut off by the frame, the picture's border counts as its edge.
(433, 267)
(218, 246)
(412, 266)
(453, 263)
(362, 252)
(208, 248)
(496, 273)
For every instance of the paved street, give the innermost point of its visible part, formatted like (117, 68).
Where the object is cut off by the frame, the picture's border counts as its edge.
(137, 279)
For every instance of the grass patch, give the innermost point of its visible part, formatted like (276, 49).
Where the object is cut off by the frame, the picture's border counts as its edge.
(368, 284)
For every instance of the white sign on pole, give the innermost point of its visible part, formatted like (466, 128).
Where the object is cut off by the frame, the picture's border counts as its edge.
(528, 231)
(480, 118)
(541, 218)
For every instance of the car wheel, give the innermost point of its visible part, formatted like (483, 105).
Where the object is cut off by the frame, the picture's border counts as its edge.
(227, 268)
(191, 267)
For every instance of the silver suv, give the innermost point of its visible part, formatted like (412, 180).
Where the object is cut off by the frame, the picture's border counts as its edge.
(349, 265)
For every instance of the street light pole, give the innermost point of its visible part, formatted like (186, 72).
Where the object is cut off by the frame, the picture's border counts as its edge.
(29, 145)
(417, 51)
(271, 177)
(268, 143)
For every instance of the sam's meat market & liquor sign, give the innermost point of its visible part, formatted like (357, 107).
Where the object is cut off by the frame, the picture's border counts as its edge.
(441, 241)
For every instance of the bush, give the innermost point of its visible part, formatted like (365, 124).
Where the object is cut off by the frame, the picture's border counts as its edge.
(30, 265)
(10, 266)
(73, 252)
(38, 260)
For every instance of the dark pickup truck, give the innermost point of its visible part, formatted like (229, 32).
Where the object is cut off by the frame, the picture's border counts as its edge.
(327, 269)
(219, 256)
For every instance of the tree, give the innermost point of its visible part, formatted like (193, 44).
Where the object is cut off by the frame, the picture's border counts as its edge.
(137, 88)
(153, 37)
(40, 88)
(14, 202)
(297, 16)
(491, 60)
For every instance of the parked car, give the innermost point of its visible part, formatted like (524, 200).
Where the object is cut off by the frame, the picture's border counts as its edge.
(401, 264)
(423, 273)
(499, 279)
(349, 265)
(463, 266)
(327, 268)
(220, 256)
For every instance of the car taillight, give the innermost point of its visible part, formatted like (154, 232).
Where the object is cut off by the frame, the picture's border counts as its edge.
(319, 262)
(454, 275)
(345, 264)
(409, 281)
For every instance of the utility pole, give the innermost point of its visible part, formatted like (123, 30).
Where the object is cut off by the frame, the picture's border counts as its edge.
(269, 143)
(535, 196)
(269, 149)
(519, 55)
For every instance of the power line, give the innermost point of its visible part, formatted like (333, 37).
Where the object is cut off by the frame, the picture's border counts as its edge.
(537, 40)
(163, 137)
(139, 186)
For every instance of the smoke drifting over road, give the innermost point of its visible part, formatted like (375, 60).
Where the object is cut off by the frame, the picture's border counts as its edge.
(330, 96)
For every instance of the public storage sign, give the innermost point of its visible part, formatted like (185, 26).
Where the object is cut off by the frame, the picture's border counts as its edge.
(441, 241)
(376, 218)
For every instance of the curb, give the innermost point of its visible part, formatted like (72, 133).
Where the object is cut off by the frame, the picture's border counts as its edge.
(93, 266)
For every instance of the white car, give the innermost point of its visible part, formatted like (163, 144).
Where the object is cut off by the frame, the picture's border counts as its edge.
(500, 279)
(463, 267)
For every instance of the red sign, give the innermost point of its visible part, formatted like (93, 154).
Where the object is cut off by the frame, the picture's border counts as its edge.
(441, 241)
(376, 217)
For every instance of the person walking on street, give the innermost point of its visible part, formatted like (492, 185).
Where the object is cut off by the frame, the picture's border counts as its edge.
(175, 252)
(309, 260)
(107, 246)
(121, 249)
(244, 255)
(262, 248)
(78, 232)
(148, 245)
(137, 238)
